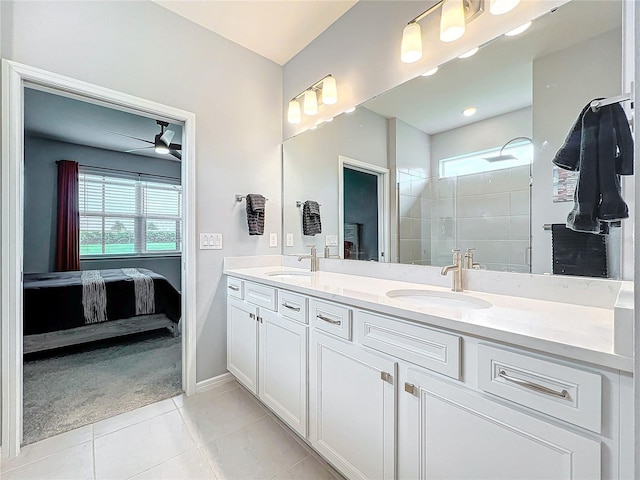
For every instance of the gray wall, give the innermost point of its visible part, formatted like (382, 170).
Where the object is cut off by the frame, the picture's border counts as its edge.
(235, 94)
(40, 202)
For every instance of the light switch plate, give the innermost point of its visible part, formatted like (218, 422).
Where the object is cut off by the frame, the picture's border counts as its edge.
(289, 239)
(331, 241)
(210, 241)
(273, 239)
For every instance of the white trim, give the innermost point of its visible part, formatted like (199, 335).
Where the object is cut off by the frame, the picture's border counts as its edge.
(14, 78)
(384, 253)
(214, 382)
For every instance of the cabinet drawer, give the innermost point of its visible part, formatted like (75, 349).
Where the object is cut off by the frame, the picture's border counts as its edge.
(564, 392)
(261, 295)
(293, 306)
(235, 288)
(431, 349)
(331, 318)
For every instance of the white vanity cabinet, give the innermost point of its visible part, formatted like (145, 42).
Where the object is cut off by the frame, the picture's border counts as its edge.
(459, 433)
(352, 401)
(267, 352)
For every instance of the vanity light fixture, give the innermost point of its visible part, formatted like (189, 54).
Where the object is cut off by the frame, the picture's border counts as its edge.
(499, 7)
(326, 86)
(519, 30)
(428, 73)
(469, 111)
(470, 53)
(454, 16)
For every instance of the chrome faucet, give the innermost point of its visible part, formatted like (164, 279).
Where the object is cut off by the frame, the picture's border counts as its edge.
(315, 261)
(468, 259)
(456, 267)
(327, 253)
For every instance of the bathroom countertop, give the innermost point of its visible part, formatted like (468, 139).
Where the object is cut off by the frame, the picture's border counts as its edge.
(571, 331)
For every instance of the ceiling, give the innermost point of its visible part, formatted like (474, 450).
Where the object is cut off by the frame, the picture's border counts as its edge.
(75, 121)
(498, 79)
(275, 29)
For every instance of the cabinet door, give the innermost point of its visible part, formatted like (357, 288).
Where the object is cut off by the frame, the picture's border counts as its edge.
(352, 407)
(463, 434)
(242, 343)
(283, 368)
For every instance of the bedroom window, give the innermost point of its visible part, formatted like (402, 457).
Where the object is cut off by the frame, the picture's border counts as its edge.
(129, 215)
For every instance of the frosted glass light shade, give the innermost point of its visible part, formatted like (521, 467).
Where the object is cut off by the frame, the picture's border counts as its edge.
(310, 103)
(329, 91)
(499, 7)
(293, 113)
(411, 48)
(452, 24)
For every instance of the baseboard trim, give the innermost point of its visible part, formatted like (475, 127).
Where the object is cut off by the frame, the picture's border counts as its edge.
(213, 382)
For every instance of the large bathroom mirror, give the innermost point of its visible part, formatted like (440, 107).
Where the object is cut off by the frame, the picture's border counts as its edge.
(461, 158)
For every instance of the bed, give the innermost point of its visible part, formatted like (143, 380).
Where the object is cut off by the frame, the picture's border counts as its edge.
(68, 308)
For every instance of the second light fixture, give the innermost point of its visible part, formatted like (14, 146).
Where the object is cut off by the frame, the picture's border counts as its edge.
(328, 94)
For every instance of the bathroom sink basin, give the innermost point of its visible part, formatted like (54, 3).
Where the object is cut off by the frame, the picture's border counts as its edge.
(287, 274)
(432, 298)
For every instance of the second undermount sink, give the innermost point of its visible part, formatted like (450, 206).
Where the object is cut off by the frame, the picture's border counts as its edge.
(432, 298)
(288, 274)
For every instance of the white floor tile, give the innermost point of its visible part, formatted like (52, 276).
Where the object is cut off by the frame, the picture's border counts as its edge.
(131, 418)
(259, 450)
(135, 449)
(72, 463)
(209, 415)
(309, 468)
(188, 466)
(50, 446)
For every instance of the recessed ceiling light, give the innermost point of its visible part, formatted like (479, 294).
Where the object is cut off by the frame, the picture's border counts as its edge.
(328, 120)
(519, 30)
(470, 53)
(428, 73)
(350, 110)
(313, 128)
(467, 112)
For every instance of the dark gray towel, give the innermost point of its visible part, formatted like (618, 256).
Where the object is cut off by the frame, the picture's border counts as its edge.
(255, 213)
(605, 151)
(311, 224)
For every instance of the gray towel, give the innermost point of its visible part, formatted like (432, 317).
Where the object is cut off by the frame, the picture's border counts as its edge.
(255, 213)
(311, 224)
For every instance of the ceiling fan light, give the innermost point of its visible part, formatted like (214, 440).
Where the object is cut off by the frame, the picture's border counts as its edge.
(452, 23)
(499, 7)
(411, 48)
(310, 103)
(293, 113)
(329, 91)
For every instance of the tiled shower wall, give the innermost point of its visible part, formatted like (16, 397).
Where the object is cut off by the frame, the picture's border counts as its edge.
(414, 205)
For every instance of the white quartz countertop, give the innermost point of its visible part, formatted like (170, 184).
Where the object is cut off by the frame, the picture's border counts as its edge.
(571, 331)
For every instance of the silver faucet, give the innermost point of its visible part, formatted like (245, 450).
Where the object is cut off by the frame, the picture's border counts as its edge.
(315, 261)
(327, 253)
(456, 267)
(468, 259)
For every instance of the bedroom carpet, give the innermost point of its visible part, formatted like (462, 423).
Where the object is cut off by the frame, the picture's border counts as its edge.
(77, 387)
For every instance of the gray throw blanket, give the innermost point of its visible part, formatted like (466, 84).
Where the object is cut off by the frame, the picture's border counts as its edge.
(600, 147)
(311, 224)
(144, 291)
(94, 297)
(255, 213)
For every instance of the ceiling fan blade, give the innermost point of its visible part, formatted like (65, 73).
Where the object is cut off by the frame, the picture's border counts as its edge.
(175, 146)
(137, 149)
(167, 136)
(176, 154)
(128, 136)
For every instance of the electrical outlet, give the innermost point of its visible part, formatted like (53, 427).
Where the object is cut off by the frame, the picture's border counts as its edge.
(273, 239)
(331, 241)
(289, 239)
(210, 241)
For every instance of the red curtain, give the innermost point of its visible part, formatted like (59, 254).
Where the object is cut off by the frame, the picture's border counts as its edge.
(68, 234)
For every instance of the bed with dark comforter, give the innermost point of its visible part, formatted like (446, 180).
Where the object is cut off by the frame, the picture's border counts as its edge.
(65, 300)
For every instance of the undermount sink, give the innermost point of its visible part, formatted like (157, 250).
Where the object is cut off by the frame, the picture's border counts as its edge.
(432, 298)
(288, 274)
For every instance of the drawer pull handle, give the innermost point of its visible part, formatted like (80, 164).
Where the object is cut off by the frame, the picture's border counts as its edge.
(533, 386)
(234, 288)
(329, 320)
(286, 305)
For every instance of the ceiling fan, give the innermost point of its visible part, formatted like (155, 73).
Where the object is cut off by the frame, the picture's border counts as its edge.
(161, 143)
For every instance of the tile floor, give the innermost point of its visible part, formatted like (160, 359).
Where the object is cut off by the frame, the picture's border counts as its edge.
(224, 433)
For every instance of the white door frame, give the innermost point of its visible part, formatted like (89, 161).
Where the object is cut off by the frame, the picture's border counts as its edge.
(383, 203)
(15, 77)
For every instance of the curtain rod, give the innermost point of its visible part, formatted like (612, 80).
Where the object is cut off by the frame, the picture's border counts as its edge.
(125, 171)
